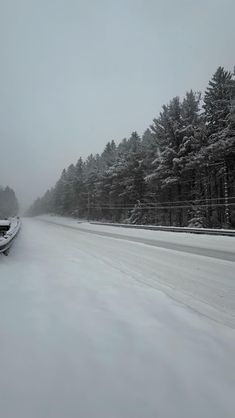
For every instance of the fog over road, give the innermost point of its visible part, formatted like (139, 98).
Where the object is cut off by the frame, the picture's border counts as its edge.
(100, 322)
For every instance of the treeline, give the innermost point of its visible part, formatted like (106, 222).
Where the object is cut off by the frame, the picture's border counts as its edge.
(8, 203)
(180, 172)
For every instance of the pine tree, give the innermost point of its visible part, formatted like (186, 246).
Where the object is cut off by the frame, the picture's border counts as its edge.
(8, 203)
(172, 175)
(220, 131)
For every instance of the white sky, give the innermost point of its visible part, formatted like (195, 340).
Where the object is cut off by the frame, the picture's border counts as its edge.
(75, 74)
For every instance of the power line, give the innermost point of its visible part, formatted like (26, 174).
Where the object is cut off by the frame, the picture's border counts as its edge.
(192, 201)
(162, 207)
(179, 181)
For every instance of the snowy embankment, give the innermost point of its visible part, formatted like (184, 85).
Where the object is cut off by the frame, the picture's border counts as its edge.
(7, 239)
(88, 329)
(193, 269)
(193, 230)
(209, 243)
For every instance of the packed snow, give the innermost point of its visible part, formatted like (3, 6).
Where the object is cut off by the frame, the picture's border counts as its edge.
(98, 325)
(205, 284)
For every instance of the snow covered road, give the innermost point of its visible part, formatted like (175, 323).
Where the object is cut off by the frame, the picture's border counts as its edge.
(94, 325)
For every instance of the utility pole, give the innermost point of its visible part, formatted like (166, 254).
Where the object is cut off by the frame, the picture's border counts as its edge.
(207, 195)
(226, 198)
(232, 114)
(88, 206)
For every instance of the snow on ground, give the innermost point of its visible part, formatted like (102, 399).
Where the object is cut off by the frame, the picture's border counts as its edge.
(205, 284)
(87, 327)
(205, 242)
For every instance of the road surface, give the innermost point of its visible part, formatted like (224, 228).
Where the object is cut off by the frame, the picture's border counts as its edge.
(96, 322)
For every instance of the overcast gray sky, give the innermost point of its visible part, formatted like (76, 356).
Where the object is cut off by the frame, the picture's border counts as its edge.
(77, 73)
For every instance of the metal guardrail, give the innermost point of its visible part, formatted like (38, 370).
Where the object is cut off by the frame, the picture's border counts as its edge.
(204, 231)
(6, 241)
